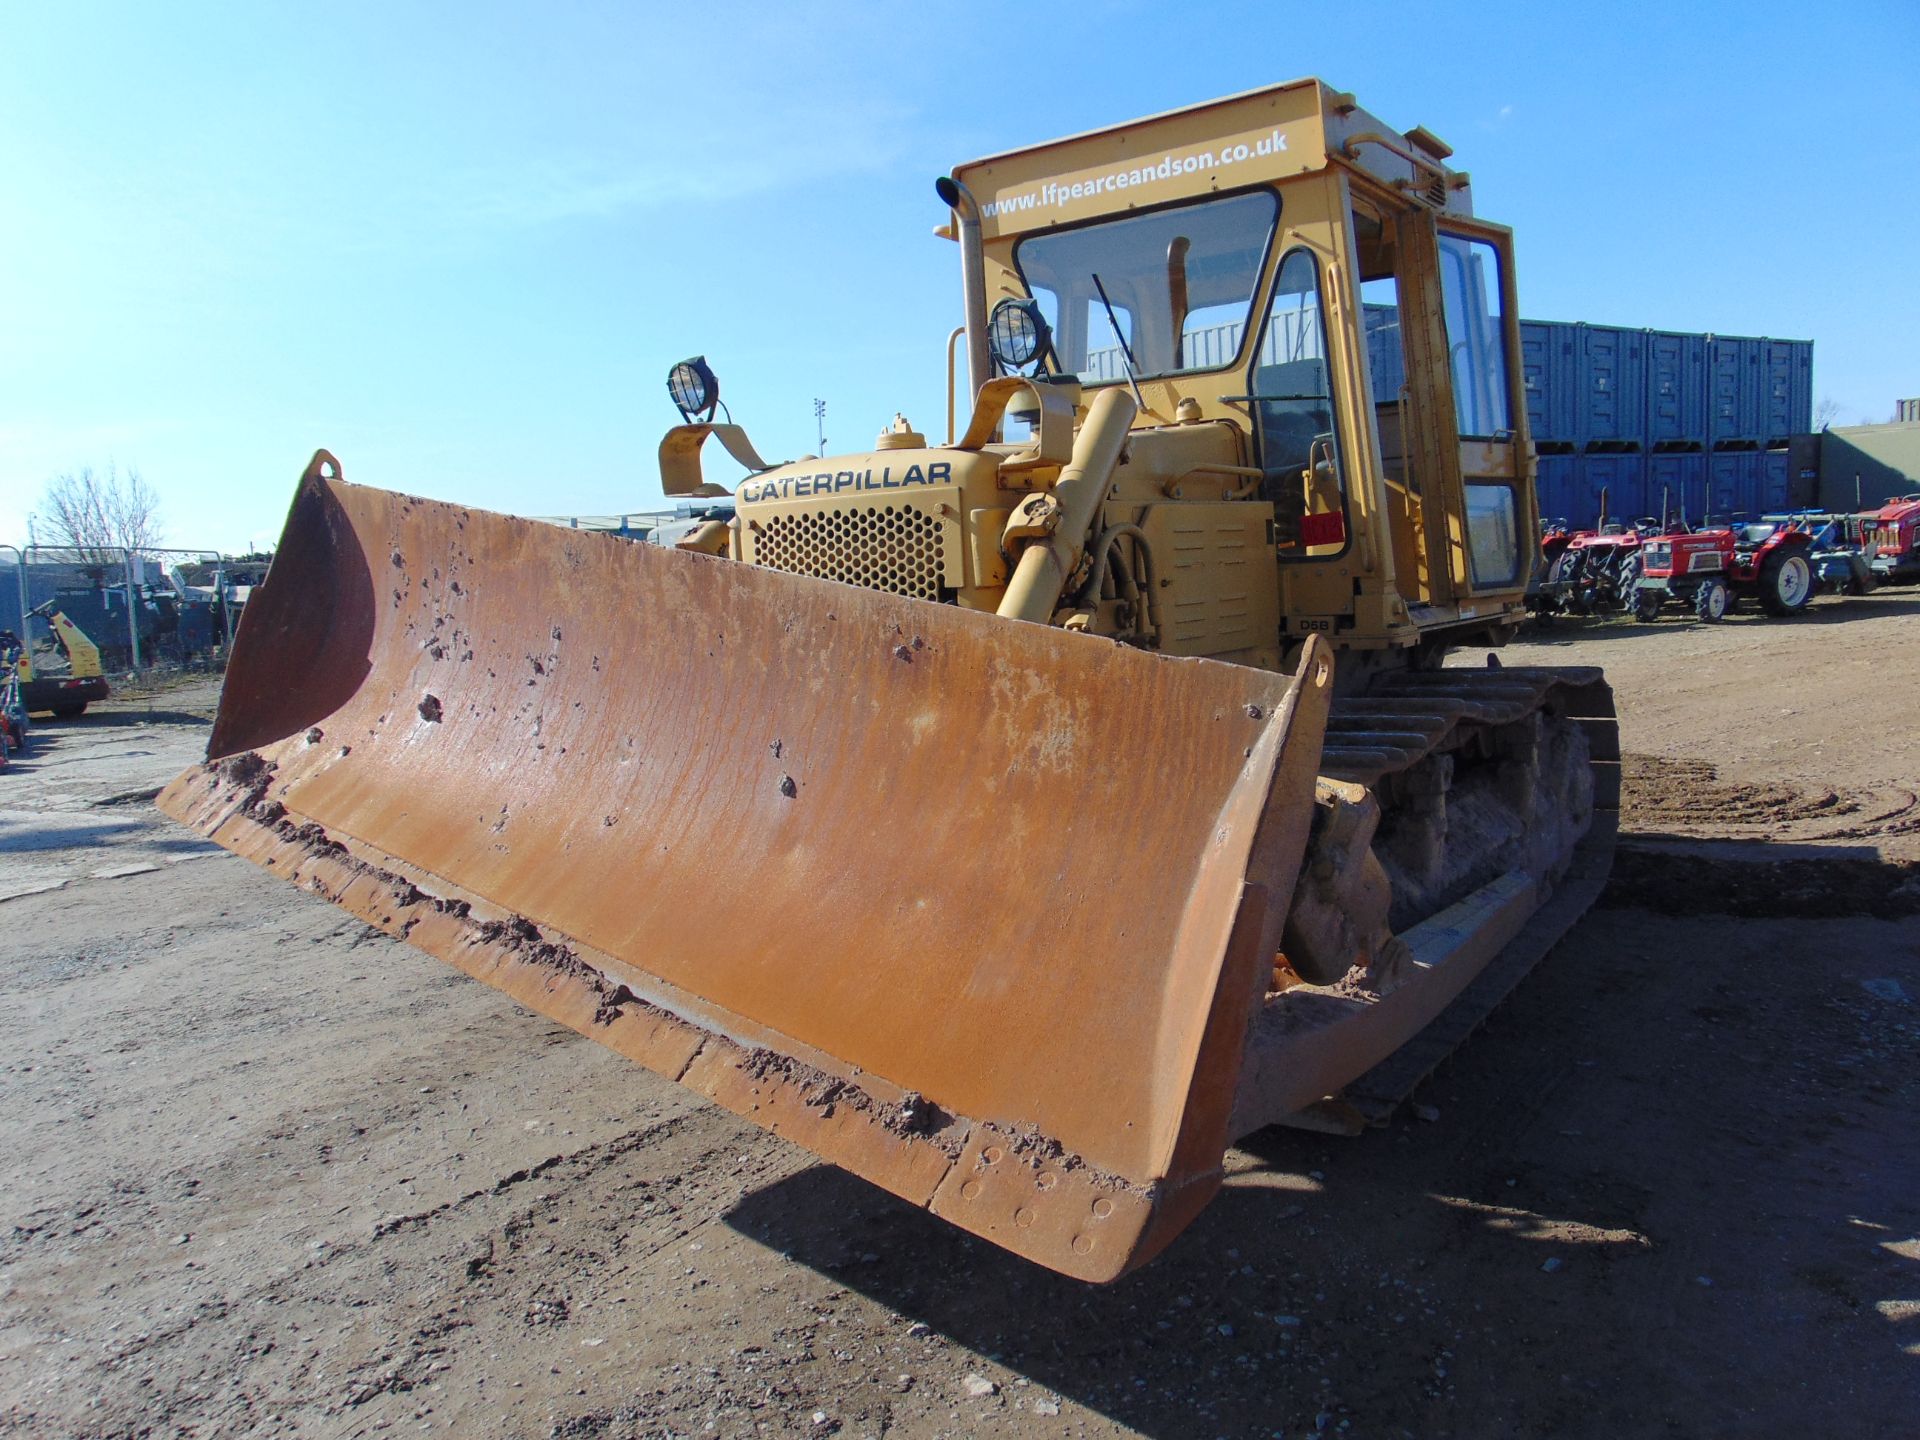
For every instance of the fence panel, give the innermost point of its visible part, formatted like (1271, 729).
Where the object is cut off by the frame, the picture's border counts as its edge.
(128, 605)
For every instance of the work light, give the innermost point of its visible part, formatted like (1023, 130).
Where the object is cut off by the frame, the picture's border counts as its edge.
(693, 388)
(1016, 333)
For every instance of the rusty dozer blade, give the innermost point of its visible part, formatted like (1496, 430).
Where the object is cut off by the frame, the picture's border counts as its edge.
(976, 909)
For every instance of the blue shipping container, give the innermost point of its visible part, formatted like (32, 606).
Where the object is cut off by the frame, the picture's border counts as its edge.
(1613, 388)
(1776, 482)
(1676, 388)
(1723, 486)
(1677, 482)
(1754, 490)
(1622, 479)
(1602, 387)
(1557, 487)
(1734, 483)
(1787, 399)
(1735, 409)
(1550, 370)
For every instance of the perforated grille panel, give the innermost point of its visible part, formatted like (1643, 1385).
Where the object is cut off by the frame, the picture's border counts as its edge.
(880, 547)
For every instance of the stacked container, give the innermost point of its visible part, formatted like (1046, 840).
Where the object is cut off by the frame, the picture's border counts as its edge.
(1550, 369)
(1558, 483)
(1788, 403)
(1676, 390)
(1663, 421)
(1677, 484)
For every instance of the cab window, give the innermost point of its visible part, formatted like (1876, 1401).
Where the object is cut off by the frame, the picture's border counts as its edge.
(1476, 338)
(1292, 392)
(1171, 288)
(1493, 534)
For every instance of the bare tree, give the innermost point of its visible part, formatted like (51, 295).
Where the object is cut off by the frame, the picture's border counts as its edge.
(1826, 412)
(98, 515)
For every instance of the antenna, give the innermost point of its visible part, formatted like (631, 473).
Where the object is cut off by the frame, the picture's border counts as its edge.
(820, 424)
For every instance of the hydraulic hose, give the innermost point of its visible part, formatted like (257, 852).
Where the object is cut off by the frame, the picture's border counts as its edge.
(1102, 559)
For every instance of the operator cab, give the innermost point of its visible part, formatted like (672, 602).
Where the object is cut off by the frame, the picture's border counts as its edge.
(1284, 263)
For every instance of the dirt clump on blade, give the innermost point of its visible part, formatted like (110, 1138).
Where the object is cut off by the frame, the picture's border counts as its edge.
(521, 936)
(913, 1117)
(250, 774)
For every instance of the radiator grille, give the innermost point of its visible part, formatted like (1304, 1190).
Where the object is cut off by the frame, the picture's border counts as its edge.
(879, 547)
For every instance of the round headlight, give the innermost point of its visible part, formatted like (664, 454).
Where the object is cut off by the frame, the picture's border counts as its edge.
(693, 388)
(1016, 333)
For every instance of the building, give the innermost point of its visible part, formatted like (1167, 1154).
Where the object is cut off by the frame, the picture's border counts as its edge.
(1864, 466)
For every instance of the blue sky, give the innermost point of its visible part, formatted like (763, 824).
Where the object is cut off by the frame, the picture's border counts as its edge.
(461, 245)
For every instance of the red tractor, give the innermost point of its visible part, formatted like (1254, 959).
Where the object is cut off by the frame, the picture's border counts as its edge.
(1711, 569)
(1893, 541)
(1582, 572)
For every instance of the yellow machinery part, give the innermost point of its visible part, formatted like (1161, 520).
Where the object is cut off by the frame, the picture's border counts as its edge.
(66, 651)
(82, 654)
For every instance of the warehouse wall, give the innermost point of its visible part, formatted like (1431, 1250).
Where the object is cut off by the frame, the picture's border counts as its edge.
(1884, 459)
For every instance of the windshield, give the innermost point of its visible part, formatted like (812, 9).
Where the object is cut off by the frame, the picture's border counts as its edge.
(1180, 284)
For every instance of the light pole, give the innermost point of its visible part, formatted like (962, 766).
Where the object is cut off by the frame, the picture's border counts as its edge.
(820, 424)
(20, 579)
(24, 591)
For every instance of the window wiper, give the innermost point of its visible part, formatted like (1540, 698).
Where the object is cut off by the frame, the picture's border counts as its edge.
(1177, 249)
(1126, 350)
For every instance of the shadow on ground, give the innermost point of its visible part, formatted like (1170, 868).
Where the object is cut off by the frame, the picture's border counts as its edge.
(47, 725)
(1658, 1196)
(1760, 879)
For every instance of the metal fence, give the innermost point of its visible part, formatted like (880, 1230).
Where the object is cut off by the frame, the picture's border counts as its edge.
(133, 605)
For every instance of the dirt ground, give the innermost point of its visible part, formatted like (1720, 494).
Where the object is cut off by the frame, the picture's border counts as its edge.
(266, 1172)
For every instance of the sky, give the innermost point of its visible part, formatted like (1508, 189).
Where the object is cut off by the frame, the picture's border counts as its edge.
(460, 246)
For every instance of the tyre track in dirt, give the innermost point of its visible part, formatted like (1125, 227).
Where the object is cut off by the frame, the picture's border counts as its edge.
(1665, 796)
(209, 1197)
(383, 1320)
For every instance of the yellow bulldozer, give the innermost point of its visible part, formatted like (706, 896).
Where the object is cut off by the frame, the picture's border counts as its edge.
(1020, 820)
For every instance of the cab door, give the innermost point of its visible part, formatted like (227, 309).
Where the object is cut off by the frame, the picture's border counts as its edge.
(1493, 515)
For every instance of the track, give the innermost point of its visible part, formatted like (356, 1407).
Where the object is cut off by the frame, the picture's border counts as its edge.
(1467, 820)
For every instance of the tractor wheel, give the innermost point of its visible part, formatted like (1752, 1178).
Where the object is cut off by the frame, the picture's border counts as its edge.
(1565, 572)
(1785, 583)
(1626, 584)
(1710, 600)
(71, 711)
(1646, 606)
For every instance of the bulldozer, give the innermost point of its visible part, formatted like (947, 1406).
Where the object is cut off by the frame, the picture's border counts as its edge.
(1019, 820)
